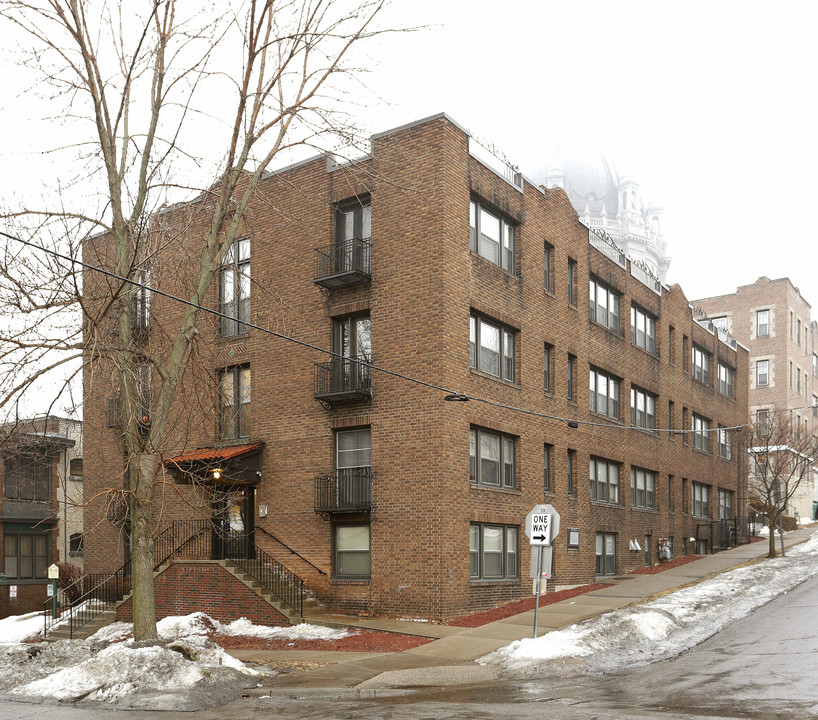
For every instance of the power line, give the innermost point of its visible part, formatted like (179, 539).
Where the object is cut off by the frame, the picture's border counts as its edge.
(449, 394)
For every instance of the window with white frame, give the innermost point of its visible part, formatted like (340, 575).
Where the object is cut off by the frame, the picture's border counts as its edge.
(762, 323)
(604, 477)
(491, 236)
(701, 500)
(643, 409)
(493, 552)
(762, 373)
(725, 444)
(727, 380)
(725, 504)
(701, 365)
(720, 323)
(491, 458)
(643, 488)
(234, 289)
(701, 433)
(604, 394)
(604, 306)
(352, 551)
(491, 348)
(643, 330)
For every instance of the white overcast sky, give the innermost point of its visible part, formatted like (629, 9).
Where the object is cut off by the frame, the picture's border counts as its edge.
(710, 105)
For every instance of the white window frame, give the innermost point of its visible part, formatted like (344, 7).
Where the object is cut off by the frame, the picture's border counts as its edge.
(643, 409)
(727, 380)
(700, 365)
(500, 250)
(480, 331)
(604, 306)
(643, 330)
(605, 480)
(604, 394)
(643, 488)
(762, 373)
(701, 433)
(762, 324)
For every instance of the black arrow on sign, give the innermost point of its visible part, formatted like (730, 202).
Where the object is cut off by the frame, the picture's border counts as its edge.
(541, 538)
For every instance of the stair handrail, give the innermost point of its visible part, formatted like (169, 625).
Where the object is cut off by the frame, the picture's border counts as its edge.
(115, 586)
(273, 576)
(294, 552)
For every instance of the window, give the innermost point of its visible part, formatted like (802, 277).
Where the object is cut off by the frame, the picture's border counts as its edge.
(725, 504)
(353, 221)
(75, 468)
(798, 331)
(701, 433)
(815, 364)
(671, 416)
(725, 444)
(548, 369)
(701, 365)
(353, 449)
(720, 323)
(685, 414)
(790, 373)
(491, 348)
(685, 343)
(27, 477)
(75, 544)
(493, 552)
(234, 289)
(815, 406)
(26, 555)
(548, 261)
(142, 304)
(548, 451)
(605, 554)
(491, 237)
(604, 394)
(762, 373)
(643, 330)
(352, 340)
(235, 403)
(798, 380)
(643, 488)
(671, 349)
(492, 459)
(763, 323)
(670, 493)
(604, 307)
(604, 481)
(572, 366)
(791, 324)
(701, 500)
(571, 461)
(763, 427)
(727, 380)
(572, 282)
(352, 554)
(643, 409)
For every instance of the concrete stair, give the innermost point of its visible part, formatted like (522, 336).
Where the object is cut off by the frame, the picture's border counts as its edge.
(106, 617)
(312, 608)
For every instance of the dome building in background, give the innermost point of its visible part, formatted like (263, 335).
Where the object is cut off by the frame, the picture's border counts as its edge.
(613, 203)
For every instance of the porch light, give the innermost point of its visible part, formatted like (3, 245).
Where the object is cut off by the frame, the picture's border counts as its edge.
(217, 473)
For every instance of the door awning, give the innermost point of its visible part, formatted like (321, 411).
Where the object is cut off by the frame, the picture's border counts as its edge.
(232, 464)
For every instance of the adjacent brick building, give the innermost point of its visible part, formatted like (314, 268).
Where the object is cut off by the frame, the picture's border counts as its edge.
(40, 507)
(773, 320)
(488, 358)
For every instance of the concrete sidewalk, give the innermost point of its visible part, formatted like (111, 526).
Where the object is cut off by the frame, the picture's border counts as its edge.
(452, 653)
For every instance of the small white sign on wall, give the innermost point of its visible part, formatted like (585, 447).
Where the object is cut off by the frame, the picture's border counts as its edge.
(49, 590)
(12, 591)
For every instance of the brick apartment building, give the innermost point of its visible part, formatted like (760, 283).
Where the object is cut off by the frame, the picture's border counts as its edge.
(772, 319)
(434, 261)
(40, 507)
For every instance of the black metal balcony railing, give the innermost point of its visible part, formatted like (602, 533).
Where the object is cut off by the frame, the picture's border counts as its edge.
(342, 263)
(345, 490)
(343, 379)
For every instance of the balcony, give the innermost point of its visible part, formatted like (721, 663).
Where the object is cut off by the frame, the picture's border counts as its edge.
(343, 380)
(343, 263)
(346, 490)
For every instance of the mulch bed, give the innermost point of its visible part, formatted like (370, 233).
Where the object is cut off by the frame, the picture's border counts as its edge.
(667, 565)
(359, 641)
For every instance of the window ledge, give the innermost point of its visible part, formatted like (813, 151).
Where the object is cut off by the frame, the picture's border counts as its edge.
(619, 335)
(495, 488)
(645, 431)
(350, 581)
(651, 511)
(496, 378)
(479, 582)
(490, 263)
(701, 452)
(602, 503)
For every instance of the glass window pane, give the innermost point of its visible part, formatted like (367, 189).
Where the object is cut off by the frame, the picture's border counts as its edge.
(352, 537)
(489, 348)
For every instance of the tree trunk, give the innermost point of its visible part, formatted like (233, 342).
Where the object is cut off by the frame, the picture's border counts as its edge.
(771, 523)
(142, 470)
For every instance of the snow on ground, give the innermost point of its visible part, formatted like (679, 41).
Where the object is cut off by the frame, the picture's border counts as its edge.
(659, 629)
(103, 669)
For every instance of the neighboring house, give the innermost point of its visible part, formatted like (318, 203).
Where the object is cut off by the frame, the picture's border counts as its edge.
(572, 377)
(41, 514)
(773, 320)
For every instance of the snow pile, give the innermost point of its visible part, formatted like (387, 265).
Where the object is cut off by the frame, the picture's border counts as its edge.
(18, 628)
(184, 669)
(659, 629)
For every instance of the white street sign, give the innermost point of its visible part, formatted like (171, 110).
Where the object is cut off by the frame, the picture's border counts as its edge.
(53, 572)
(542, 525)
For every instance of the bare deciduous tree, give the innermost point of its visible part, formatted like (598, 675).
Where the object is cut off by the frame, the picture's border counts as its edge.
(160, 97)
(781, 457)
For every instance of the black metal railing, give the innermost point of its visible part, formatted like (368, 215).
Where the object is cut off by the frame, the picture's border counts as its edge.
(100, 591)
(292, 552)
(343, 263)
(343, 379)
(724, 534)
(272, 575)
(345, 490)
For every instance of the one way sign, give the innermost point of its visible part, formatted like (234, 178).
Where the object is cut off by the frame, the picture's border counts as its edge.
(542, 525)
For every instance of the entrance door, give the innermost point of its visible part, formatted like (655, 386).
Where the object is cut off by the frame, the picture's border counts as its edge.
(233, 522)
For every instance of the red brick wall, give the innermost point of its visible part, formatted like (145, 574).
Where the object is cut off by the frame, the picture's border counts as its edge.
(30, 598)
(186, 588)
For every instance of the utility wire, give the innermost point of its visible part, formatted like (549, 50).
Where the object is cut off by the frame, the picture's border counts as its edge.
(450, 394)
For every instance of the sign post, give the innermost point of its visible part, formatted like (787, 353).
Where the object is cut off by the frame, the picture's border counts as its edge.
(542, 525)
(53, 575)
